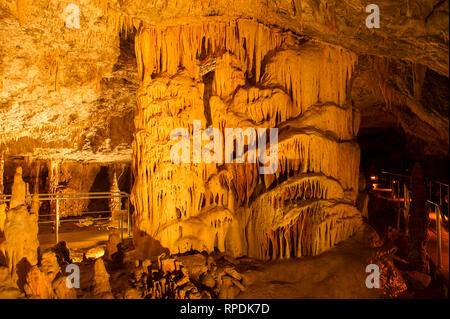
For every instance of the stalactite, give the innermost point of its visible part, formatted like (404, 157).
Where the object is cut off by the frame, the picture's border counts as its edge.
(316, 61)
(121, 22)
(53, 183)
(21, 11)
(168, 48)
(318, 227)
(419, 72)
(382, 70)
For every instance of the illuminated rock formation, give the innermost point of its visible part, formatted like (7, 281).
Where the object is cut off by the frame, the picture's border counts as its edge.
(115, 203)
(264, 78)
(102, 287)
(47, 281)
(38, 285)
(18, 190)
(21, 229)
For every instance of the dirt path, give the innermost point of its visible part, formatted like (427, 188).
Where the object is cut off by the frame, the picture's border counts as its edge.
(337, 273)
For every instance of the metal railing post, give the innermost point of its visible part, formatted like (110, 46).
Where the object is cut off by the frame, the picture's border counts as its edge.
(57, 220)
(438, 236)
(121, 225)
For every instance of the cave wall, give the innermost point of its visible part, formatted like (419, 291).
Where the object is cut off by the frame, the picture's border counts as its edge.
(70, 93)
(65, 93)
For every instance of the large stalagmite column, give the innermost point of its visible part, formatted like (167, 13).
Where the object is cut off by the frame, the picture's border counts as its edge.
(263, 79)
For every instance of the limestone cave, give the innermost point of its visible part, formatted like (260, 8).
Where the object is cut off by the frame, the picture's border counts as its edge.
(224, 149)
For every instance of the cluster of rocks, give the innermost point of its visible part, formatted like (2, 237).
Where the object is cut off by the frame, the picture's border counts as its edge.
(8, 288)
(397, 275)
(185, 277)
(47, 280)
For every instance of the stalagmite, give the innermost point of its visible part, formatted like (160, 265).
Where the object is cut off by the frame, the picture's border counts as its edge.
(111, 245)
(35, 204)
(38, 284)
(102, 287)
(115, 203)
(20, 230)
(18, 190)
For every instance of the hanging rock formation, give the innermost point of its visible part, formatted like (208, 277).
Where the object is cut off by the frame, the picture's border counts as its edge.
(47, 281)
(264, 78)
(38, 285)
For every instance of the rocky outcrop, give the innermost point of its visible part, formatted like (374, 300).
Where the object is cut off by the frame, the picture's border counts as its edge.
(185, 277)
(46, 281)
(8, 288)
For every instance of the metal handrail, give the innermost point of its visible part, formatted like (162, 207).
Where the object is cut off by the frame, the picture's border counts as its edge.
(89, 193)
(441, 194)
(56, 197)
(45, 197)
(438, 207)
(438, 182)
(394, 174)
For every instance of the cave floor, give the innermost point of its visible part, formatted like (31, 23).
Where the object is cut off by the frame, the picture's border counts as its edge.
(337, 273)
(78, 237)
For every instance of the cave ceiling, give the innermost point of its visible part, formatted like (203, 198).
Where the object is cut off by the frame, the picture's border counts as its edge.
(71, 93)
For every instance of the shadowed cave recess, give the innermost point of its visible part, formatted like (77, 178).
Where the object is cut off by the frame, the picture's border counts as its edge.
(362, 143)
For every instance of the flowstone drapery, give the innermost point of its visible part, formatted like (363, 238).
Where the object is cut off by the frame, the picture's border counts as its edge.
(263, 78)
